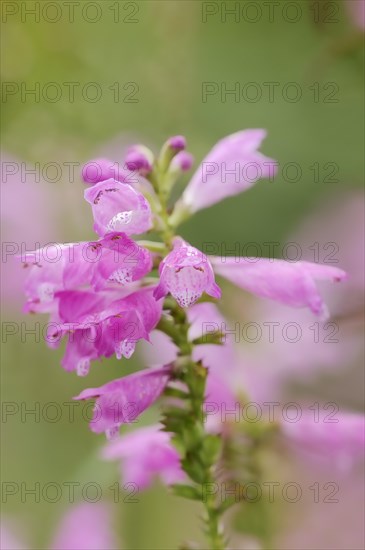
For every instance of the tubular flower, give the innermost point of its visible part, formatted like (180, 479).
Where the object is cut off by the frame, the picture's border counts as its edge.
(47, 267)
(114, 259)
(118, 207)
(328, 438)
(232, 166)
(84, 526)
(121, 261)
(144, 454)
(186, 273)
(287, 282)
(98, 325)
(123, 400)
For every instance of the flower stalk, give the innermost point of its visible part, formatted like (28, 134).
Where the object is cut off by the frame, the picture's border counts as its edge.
(199, 450)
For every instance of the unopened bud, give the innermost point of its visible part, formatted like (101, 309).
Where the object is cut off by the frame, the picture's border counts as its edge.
(182, 162)
(169, 150)
(100, 170)
(178, 143)
(139, 159)
(136, 161)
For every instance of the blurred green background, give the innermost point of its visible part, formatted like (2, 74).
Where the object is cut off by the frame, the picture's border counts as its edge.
(167, 52)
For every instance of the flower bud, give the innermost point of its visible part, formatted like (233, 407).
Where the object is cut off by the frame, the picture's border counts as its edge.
(169, 150)
(182, 162)
(139, 159)
(177, 142)
(99, 169)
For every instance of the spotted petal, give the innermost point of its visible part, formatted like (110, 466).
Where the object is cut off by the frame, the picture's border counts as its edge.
(118, 207)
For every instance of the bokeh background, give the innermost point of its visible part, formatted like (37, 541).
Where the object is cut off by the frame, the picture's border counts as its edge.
(148, 62)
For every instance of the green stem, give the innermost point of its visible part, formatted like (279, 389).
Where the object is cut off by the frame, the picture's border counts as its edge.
(152, 246)
(167, 233)
(199, 449)
(214, 532)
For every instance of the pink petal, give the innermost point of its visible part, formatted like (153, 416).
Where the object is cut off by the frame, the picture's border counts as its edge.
(53, 268)
(121, 261)
(232, 166)
(144, 454)
(123, 400)
(100, 326)
(221, 405)
(102, 169)
(186, 273)
(85, 526)
(356, 11)
(10, 538)
(329, 437)
(287, 282)
(118, 207)
(78, 306)
(205, 318)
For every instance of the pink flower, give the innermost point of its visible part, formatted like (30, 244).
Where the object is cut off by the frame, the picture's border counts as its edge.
(47, 267)
(100, 325)
(144, 454)
(186, 273)
(281, 360)
(330, 438)
(85, 526)
(123, 400)
(114, 259)
(79, 316)
(356, 11)
(21, 193)
(232, 166)
(10, 538)
(118, 207)
(121, 261)
(221, 404)
(287, 282)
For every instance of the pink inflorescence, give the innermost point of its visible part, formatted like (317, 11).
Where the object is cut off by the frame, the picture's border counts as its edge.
(103, 295)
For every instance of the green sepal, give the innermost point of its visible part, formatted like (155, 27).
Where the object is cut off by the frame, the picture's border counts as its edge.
(172, 424)
(192, 436)
(210, 450)
(175, 392)
(216, 338)
(194, 469)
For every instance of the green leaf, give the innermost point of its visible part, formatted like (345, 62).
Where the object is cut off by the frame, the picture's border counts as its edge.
(186, 491)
